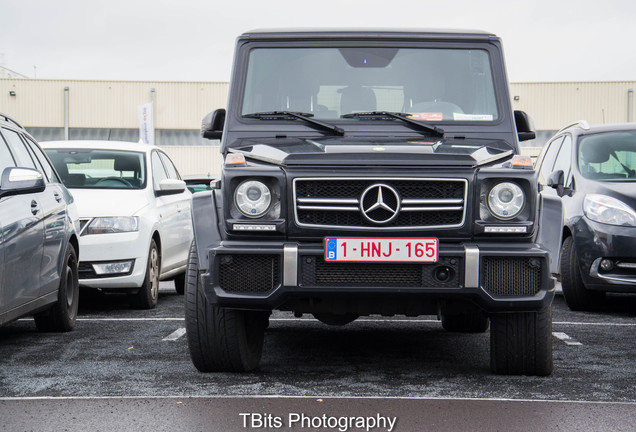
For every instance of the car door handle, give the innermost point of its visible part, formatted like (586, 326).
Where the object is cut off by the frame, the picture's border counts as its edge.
(57, 196)
(34, 207)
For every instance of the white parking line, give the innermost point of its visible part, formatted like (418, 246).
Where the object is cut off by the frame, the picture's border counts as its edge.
(175, 335)
(603, 324)
(565, 338)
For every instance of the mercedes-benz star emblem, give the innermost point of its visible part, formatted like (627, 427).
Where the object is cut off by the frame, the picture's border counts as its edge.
(380, 203)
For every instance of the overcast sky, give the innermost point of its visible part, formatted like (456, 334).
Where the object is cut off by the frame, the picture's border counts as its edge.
(193, 40)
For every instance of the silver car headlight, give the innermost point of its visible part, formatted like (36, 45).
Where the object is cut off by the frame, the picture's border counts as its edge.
(115, 224)
(608, 210)
(506, 200)
(252, 198)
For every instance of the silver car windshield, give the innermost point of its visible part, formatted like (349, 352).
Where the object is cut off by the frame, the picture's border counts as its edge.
(431, 85)
(99, 169)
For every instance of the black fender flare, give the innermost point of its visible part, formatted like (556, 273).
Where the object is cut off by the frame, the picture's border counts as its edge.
(205, 224)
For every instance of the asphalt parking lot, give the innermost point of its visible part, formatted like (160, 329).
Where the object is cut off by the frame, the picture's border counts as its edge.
(125, 369)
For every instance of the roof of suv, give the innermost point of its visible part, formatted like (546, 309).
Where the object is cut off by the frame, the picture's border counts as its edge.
(5, 118)
(386, 33)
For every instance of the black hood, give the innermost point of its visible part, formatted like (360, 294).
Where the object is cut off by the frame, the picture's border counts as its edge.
(373, 151)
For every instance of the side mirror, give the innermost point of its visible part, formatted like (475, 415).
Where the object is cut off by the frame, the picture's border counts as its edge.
(16, 181)
(556, 181)
(525, 126)
(171, 187)
(212, 124)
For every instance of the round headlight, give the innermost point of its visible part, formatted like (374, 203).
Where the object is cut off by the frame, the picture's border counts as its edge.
(506, 200)
(252, 198)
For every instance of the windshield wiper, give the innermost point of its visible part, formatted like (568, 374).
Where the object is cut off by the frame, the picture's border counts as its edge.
(280, 115)
(397, 115)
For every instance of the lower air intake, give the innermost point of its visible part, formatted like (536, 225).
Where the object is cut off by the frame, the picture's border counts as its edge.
(251, 274)
(512, 276)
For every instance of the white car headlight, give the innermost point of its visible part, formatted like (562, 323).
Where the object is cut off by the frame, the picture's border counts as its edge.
(116, 224)
(253, 198)
(506, 200)
(608, 210)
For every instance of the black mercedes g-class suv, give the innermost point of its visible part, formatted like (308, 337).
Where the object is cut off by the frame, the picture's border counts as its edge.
(372, 172)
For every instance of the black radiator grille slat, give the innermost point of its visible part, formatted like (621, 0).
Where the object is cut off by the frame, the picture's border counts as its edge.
(512, 276)
(329, 202)
(256, 274)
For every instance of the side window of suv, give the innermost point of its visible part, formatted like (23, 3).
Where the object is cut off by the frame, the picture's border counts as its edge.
(6, 158)
(20, 152)
(547, 163)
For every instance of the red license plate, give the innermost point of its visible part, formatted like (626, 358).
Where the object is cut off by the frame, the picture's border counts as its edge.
(363, 249)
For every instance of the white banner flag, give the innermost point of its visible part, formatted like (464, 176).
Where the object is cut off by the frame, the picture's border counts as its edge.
(146, 124)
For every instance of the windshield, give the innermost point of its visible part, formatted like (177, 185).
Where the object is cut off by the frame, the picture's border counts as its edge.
(99, 169)
(429, 84)
(608, 156)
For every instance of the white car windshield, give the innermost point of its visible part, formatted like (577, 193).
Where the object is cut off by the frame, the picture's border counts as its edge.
(99, 169)
(425, 84)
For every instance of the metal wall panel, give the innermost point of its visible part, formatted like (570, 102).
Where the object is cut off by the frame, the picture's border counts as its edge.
(110, 104)
(554, 105)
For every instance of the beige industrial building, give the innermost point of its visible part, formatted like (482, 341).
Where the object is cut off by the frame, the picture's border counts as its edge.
(76, 109)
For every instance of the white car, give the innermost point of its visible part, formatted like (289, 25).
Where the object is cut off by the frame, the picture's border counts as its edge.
(135, 215)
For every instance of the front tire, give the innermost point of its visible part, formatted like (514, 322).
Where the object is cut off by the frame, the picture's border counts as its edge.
(219, 339)
(521, 343)
(148, 294)
(62, 315)
(577, 297)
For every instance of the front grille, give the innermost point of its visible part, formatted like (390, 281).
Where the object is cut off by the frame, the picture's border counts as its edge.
(249, 274)
(318, 273)
(512, 276)
(424, 203)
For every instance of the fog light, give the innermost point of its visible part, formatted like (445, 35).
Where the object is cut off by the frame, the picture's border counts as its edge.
(113, 268)
(607, 265)
(442, 274)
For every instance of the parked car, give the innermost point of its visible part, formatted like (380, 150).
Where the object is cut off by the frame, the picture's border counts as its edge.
(135, 215)
(39, 228)
(594, 169)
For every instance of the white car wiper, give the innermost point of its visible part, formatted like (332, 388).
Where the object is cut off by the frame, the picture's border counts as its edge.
(397, 115)
(281, 115)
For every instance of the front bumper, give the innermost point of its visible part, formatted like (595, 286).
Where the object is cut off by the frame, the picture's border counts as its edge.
(295, 276)
(108, 248)
(595, 242)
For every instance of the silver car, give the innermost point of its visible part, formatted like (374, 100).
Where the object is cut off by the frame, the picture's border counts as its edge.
(39, 247)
